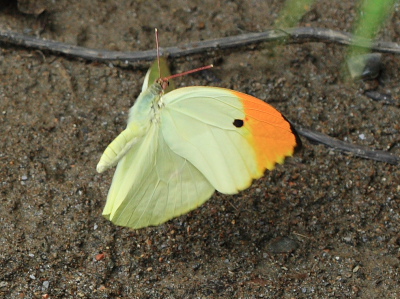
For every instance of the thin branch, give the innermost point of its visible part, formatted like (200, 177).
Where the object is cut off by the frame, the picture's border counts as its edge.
(357, 150)
(291, 35)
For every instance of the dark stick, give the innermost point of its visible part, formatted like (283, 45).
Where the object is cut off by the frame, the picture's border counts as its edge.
(291, 35)
(357, 150)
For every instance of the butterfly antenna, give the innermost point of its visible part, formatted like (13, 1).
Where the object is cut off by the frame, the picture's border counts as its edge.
(176, 75)
(158, 52)
(189, 72)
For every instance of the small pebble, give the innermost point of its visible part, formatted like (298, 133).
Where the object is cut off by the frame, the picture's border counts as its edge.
(283, 245)
(45, 285)
(100, 256)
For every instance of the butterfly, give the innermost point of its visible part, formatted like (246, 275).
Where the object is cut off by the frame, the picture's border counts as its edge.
(180, 145)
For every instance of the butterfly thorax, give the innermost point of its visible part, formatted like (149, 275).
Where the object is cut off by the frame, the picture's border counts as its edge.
(147, 107)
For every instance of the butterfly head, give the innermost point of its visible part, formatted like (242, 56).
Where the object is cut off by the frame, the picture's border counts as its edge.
(163, 82)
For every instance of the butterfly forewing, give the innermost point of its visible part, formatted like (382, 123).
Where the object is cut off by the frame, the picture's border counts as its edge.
(221, 135)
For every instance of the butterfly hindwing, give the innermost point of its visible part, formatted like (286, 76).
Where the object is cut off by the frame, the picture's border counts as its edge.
(152, 184)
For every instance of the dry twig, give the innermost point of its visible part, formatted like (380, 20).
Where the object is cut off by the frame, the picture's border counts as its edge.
(357, 150)
(292, 35)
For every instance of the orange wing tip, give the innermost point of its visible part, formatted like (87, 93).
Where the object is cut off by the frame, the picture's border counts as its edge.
(280, 160)
(273, 137)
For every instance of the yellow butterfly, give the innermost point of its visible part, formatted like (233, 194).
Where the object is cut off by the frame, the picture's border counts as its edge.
(181, 146)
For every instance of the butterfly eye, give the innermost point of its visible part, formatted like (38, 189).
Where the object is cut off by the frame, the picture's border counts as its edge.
(164, 84)
(238, 123)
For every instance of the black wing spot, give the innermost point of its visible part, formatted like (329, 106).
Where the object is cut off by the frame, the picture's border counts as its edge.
(238, 123)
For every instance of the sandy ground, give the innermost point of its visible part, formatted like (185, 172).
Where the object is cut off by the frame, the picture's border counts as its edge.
(323, 225)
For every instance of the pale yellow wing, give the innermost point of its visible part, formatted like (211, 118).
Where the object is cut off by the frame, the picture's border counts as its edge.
(230, 137)
(152, 184)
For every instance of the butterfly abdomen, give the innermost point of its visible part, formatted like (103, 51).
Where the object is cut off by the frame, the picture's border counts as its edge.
(120, 146)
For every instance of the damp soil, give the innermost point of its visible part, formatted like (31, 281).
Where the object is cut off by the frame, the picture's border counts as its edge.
(323, 225)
